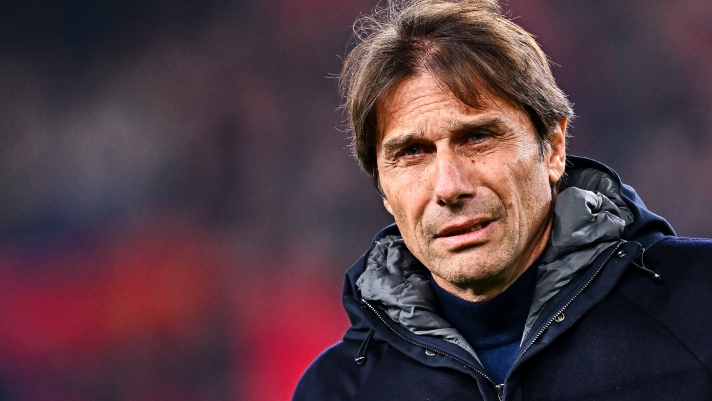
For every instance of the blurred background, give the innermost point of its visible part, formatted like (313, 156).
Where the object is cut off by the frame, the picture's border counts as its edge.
(178, 204)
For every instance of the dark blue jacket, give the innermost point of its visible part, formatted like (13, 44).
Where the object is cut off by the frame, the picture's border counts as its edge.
(635, 324)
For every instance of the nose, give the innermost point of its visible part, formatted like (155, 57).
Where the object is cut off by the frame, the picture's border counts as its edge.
(452, 184)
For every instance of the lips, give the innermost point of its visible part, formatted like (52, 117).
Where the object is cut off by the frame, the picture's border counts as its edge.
(466, 234)
(460, 229)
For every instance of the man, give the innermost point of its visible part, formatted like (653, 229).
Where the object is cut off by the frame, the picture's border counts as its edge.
(512, 272)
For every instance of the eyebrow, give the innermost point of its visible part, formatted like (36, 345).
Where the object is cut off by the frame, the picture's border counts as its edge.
(475, 124)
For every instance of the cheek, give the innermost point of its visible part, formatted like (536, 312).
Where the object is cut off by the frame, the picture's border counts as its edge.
(408, 202)
(524, 188)
(407, 192)
(534, 196)
(405, 209)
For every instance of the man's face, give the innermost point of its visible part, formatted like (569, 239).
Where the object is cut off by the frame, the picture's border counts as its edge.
(467, 187)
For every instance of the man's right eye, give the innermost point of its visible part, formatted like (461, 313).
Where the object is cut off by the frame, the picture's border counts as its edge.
(412, 151)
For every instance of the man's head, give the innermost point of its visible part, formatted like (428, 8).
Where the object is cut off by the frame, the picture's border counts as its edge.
(458, 120)
(468, 46)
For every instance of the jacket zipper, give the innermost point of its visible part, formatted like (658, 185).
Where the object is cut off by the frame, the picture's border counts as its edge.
(431, 349)
(500, 391)
(566, 305)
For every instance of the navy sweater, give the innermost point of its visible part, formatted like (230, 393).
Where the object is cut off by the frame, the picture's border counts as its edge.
(493, 328)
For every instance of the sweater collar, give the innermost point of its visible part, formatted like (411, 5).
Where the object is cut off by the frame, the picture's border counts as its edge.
(494, 322)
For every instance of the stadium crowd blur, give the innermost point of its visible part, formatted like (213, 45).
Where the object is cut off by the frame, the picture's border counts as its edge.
(178, 203)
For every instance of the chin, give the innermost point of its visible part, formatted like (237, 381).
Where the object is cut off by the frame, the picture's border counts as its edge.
(468, 272)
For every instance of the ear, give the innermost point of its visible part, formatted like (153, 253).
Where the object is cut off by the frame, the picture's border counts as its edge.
(557, 152)
(387, 205)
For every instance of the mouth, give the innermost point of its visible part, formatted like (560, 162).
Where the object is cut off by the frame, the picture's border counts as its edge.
(461, 229)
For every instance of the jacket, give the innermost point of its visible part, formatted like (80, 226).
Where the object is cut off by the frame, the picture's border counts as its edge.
(622, 310)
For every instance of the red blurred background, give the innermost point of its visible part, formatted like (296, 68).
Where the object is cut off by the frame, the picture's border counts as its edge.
(178, 203)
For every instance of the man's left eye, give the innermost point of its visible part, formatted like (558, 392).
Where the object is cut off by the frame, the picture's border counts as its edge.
(478, 136)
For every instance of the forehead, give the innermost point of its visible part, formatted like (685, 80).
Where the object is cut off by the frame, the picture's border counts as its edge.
(420, 103)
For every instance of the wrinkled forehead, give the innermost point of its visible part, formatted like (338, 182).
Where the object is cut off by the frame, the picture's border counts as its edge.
(410, 98)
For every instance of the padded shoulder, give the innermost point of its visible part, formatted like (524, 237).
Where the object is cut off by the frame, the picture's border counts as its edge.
(682, 301)
(333, 376)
